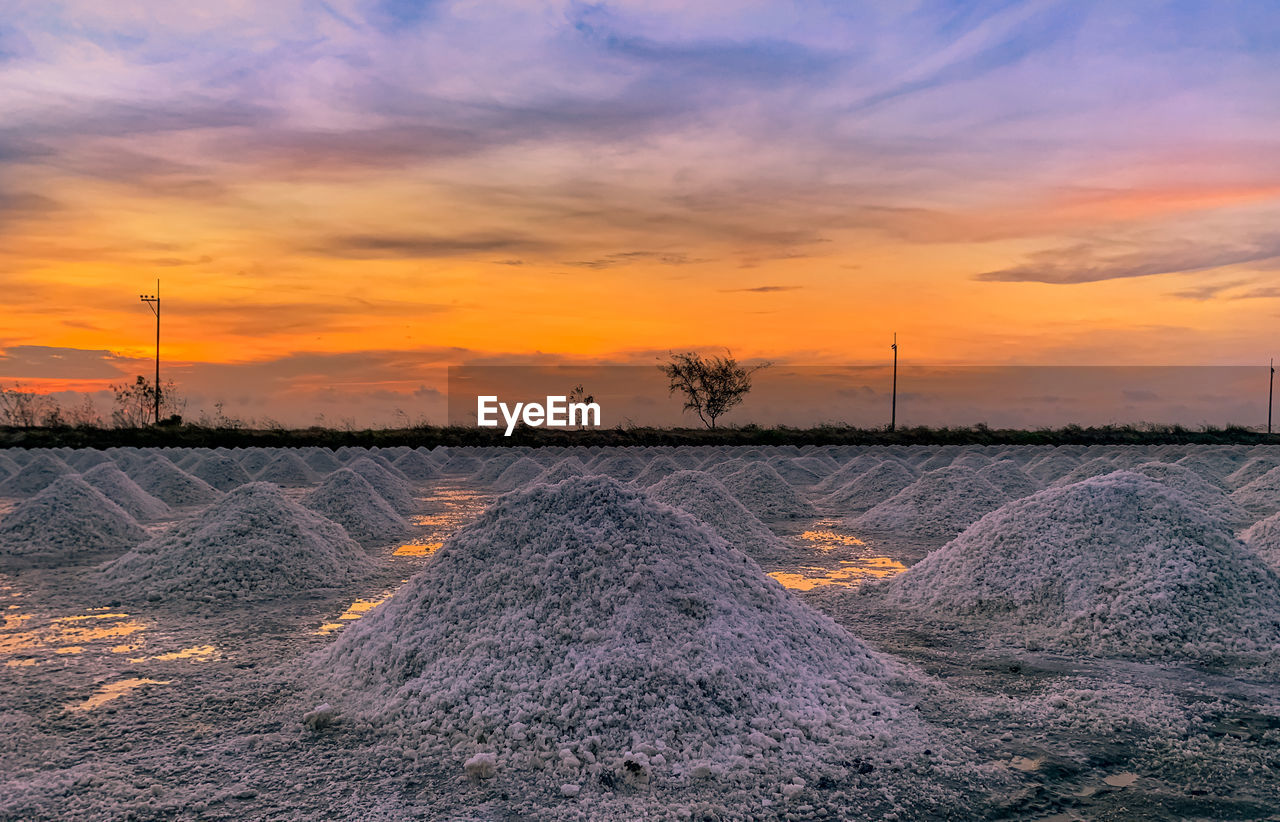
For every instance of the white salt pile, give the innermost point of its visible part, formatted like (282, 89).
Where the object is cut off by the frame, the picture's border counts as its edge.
(795, 473)
(872, 487)
(655, 470)
(1251, 470)
(116, 486)
(705, 498)
(1261, 497)
(8, 467)
(766, 494)
(32, 478)
(1051, 466)
(1009, 478)
(392, 488)
(1214, 464)
(321, 460)
(1195, 489)
(349, 500)
(853, 469)
(621, 466)
(166, 481)
(1264, 537)
(85, 458)
(67, 521)
(941, 503)
(583, 634)
(253, 542)
(221, 472)
(287, 470)
(517, 474)
(562, 470)
(493, 467)
(1095, 467)
(417, 466)
(460, 462)
(1118, 564)
(254, 460)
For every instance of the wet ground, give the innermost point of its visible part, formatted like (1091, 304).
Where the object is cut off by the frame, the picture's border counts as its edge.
(165, 711)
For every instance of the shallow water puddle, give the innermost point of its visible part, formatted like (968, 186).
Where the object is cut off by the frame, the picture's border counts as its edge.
(850, 573)
(113, 690)
(196, 653)
(354, 611)
(451, 508)
(1120, 780)
(63, 635)
(827, 540)
(418, 549)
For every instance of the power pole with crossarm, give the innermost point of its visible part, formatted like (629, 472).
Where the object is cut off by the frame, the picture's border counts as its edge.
(153, 302)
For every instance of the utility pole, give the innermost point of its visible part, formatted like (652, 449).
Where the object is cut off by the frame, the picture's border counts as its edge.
(153, 302)
(893, 413)
(1271, 393)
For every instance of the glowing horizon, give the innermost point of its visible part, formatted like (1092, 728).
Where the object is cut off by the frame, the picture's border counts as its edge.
(342, 198)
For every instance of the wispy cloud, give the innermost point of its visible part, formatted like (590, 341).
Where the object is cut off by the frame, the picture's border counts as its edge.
(1089, 264)
(762, 289)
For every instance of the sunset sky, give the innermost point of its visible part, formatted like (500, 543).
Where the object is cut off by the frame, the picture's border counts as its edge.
(341, 198)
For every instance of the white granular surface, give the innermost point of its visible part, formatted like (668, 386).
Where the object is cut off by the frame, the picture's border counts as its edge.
(1115, 564)
(581, 631)
(349, 500)
(253, 542)
(68, 520)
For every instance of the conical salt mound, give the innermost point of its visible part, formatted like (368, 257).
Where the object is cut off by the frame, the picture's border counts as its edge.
(517, 474)
(1214, 463)
(1051, 466)
(221, 472)
(66, 521)
(8, 467)
(253, 542)
(116, 486)
(874, 486)
(853, 469)
(941, 503)
(1195, 489)
(1116, 564)
(86, 458)
(254, 460)
(489, 471)
(460, 462)
(794, 472)
(1251, 470)
(561, 471)
(166, 481)
(1261, 497)
(392, 488)
(34, 477)
(766, 494)
(1264, 537)
(656, 470)
(417, 466)
(620, 465)
(1009, 478)
(586, 623)
(705, 498)
(349, 500)
(1096, 467)
(287, 470)
(321, 460)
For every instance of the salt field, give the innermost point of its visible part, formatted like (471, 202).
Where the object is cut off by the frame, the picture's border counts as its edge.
(710, 633)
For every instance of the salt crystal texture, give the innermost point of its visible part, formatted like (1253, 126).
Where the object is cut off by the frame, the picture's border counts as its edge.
(705, 498)
(1119, 564)
(587, 623)
(166, 481)
(349, 500)
(34, 477)
(221, 472)
(69, 519)
(116, 486)
(941, 503)
(766, 494)
(253, 542)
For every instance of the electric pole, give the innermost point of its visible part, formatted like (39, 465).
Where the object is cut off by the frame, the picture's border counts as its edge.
(893, 412)
(153, 302)
(1271, 393)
